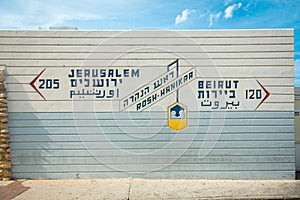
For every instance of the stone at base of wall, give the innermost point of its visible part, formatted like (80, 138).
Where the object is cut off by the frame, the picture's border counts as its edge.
(5, 159)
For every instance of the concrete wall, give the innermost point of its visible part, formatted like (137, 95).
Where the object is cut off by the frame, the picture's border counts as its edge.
(55, 135)
(297, 127)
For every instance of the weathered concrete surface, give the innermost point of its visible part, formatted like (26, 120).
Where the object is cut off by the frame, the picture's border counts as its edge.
(213, 189)
(76, 189)
(159, 189)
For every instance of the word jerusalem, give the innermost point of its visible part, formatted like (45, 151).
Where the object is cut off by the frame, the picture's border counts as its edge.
(109, 72)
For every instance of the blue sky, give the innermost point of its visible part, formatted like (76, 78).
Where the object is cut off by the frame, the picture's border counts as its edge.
(163, 14)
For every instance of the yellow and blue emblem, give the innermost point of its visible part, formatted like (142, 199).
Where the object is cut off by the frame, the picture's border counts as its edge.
(177, 116)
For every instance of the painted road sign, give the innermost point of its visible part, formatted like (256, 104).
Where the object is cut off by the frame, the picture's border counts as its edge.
(140, 88)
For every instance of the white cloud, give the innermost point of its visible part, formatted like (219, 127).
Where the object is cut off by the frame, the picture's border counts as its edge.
(247, 6)
(184, 16)
(213, 18)
(230, 9)
(62, 18)
(226, 2)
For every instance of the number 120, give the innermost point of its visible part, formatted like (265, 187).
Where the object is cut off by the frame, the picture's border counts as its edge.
(253, 94)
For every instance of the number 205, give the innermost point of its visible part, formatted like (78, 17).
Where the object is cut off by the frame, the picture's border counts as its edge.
(49, 83)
